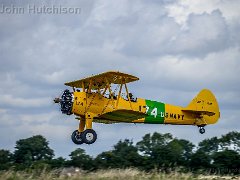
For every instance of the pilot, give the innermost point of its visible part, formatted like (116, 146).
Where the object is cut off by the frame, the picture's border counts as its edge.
(132, 98)
(113, 95)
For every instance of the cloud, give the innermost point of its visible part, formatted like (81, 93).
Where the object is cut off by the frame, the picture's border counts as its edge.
(205, 33)
(202, 34)
(183, 8)
(207, 71)
(9, 100)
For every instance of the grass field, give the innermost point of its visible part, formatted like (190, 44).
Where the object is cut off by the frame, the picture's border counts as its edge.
(128, 174)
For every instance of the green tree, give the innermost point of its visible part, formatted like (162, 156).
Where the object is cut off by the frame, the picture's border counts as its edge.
(162, 150)
(149, 144)
(187, 150)
(32, 149)
(106, 160)
(154, 149)
(58, 162)
(226, 161)
(209, 146)
(80, 159)
(5, 159)
(211, 151)
(127, 154)
(178, 152)
(124, 154)
(230, 140)
(200, 160)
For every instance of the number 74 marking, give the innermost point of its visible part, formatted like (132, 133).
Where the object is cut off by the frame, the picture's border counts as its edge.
(153, 113)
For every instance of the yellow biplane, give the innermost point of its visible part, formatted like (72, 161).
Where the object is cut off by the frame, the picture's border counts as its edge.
(94, 99)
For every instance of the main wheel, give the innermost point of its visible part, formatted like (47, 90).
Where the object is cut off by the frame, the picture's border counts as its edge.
(89, 136)
(202, 130)
(77, 137)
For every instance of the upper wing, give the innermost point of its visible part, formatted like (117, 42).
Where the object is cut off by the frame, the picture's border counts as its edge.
(101, 80)
(121, 115)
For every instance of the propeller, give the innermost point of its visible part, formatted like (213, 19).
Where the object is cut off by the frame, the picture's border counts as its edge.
(57, 100)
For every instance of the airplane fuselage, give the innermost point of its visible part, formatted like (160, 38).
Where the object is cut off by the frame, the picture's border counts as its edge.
(105, 110)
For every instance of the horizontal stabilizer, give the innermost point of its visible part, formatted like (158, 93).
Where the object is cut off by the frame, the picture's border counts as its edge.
(199, 112)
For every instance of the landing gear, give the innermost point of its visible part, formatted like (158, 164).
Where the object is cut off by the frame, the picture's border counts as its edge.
(201, 130)
(88, 136)
(77, 137)
(85, 133)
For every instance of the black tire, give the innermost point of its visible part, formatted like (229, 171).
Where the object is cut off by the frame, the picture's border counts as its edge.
(89, 136)
(202, 130)
(77, 137)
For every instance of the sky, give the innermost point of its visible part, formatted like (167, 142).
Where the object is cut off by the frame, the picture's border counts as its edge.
(175, 47)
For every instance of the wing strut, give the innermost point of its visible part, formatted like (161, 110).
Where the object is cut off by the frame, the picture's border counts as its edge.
(128, 95)
(83, 87)
(119, 93)
(90, 86)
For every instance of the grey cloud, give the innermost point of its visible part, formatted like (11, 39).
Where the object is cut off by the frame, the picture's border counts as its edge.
(20, 102)
(206, 33)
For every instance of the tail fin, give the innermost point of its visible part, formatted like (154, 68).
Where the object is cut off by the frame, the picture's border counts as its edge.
(205, 104)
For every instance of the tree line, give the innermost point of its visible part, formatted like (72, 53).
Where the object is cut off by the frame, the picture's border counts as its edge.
(154, 152)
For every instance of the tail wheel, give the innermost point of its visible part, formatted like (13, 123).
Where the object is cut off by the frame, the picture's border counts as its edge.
(77, 137)
(202, 130)
(89, 136)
